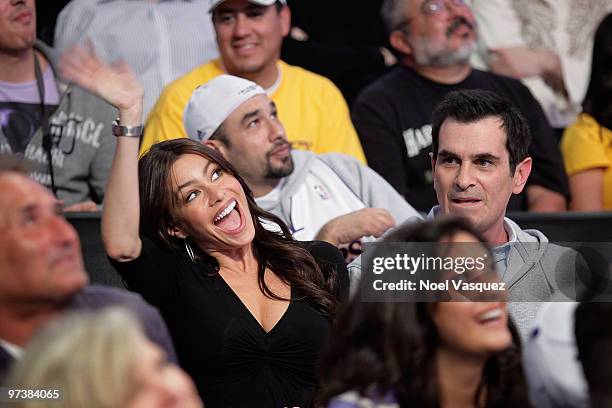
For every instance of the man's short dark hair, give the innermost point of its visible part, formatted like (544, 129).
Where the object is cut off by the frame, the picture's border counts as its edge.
(472, 105)
(220, 135)
(278, 5)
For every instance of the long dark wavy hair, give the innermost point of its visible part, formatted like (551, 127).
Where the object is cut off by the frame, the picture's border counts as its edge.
(598, 99)
(382, 347)
(287, 258)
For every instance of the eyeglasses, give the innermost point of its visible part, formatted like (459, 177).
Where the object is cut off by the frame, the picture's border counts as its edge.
(432, 8)
(435, 7)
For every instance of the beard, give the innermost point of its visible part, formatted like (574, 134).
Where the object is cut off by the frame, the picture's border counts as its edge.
(430, 52)
(277, 171)
(280, 171)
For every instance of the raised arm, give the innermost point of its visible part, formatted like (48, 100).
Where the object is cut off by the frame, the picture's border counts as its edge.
(118, 86)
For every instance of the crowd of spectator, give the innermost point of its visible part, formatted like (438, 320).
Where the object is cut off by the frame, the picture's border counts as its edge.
(242, 154)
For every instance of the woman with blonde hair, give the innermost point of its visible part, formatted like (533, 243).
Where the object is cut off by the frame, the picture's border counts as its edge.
(100, 360)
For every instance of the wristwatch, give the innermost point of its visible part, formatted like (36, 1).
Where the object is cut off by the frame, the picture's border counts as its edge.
(129, 131)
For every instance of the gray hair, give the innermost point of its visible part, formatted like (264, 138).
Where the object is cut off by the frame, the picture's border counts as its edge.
(89, 356)
(393, 13)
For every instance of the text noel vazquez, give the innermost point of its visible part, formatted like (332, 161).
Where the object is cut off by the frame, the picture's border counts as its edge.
(427, 285)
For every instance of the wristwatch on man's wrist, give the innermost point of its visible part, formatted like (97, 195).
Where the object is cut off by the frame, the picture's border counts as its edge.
(128, 131)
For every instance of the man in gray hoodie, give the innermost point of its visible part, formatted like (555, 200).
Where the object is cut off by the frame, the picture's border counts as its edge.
(62, 129)
(479, 160)
(329, 197)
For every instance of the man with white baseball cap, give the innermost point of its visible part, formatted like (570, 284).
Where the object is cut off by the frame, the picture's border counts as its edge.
(329, 197)
(249, 36)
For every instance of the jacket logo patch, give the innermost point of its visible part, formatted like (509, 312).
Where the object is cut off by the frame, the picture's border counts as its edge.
(321, 191)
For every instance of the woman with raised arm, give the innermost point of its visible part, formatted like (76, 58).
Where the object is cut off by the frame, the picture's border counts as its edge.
(248, 308)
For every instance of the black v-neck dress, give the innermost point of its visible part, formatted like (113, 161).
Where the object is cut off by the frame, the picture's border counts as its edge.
(231, 358)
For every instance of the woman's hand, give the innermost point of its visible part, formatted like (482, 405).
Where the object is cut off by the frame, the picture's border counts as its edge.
(114, 83)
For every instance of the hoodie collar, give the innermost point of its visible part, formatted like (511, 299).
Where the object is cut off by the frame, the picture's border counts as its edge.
(509, 226)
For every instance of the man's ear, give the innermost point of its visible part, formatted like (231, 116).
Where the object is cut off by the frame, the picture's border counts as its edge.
(432, 160)
(521, 174)
(176, 232)
(285, 20)
(397, 39)
(216, 145)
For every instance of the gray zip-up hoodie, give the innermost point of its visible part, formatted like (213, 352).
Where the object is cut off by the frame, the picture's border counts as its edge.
(84, 119)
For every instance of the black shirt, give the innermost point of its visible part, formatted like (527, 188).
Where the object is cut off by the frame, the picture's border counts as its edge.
(232, 360)
(393, 119)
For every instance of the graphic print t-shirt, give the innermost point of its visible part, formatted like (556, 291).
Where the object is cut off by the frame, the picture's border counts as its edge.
(20, 113)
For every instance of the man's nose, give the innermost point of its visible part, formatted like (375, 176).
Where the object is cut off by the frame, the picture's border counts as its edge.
(465, 177)
(277, 130)
(63, 231)
(454, 7)
(242, 26)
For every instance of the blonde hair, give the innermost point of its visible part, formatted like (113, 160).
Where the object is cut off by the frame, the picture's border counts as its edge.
(88, 356)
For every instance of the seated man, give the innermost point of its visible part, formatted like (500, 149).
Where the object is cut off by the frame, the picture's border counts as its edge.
(62, 129)
(41, 268)
(249, 35)
(479, 161)
(393, 115)
(330, 197)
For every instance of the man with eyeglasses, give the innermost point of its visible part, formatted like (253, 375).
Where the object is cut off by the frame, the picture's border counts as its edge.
(434, 40)
(43, 117)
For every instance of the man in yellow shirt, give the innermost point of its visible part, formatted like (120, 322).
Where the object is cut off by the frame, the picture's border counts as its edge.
(249, 35)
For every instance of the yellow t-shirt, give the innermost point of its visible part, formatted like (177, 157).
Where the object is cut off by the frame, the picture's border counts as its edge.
(588, 145)
(311, 108)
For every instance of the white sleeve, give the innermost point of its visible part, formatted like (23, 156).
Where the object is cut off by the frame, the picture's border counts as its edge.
(72, 23)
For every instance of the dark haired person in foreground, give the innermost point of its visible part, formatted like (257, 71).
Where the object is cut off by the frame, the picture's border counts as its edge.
(479, 161)
(408, 354)
(42, 276)
(248, 309)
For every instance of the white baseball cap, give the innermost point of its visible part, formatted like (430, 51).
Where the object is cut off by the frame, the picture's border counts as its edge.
(211, 103)
(215, 3)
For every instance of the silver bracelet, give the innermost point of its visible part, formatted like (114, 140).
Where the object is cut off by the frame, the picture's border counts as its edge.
(128, 131)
